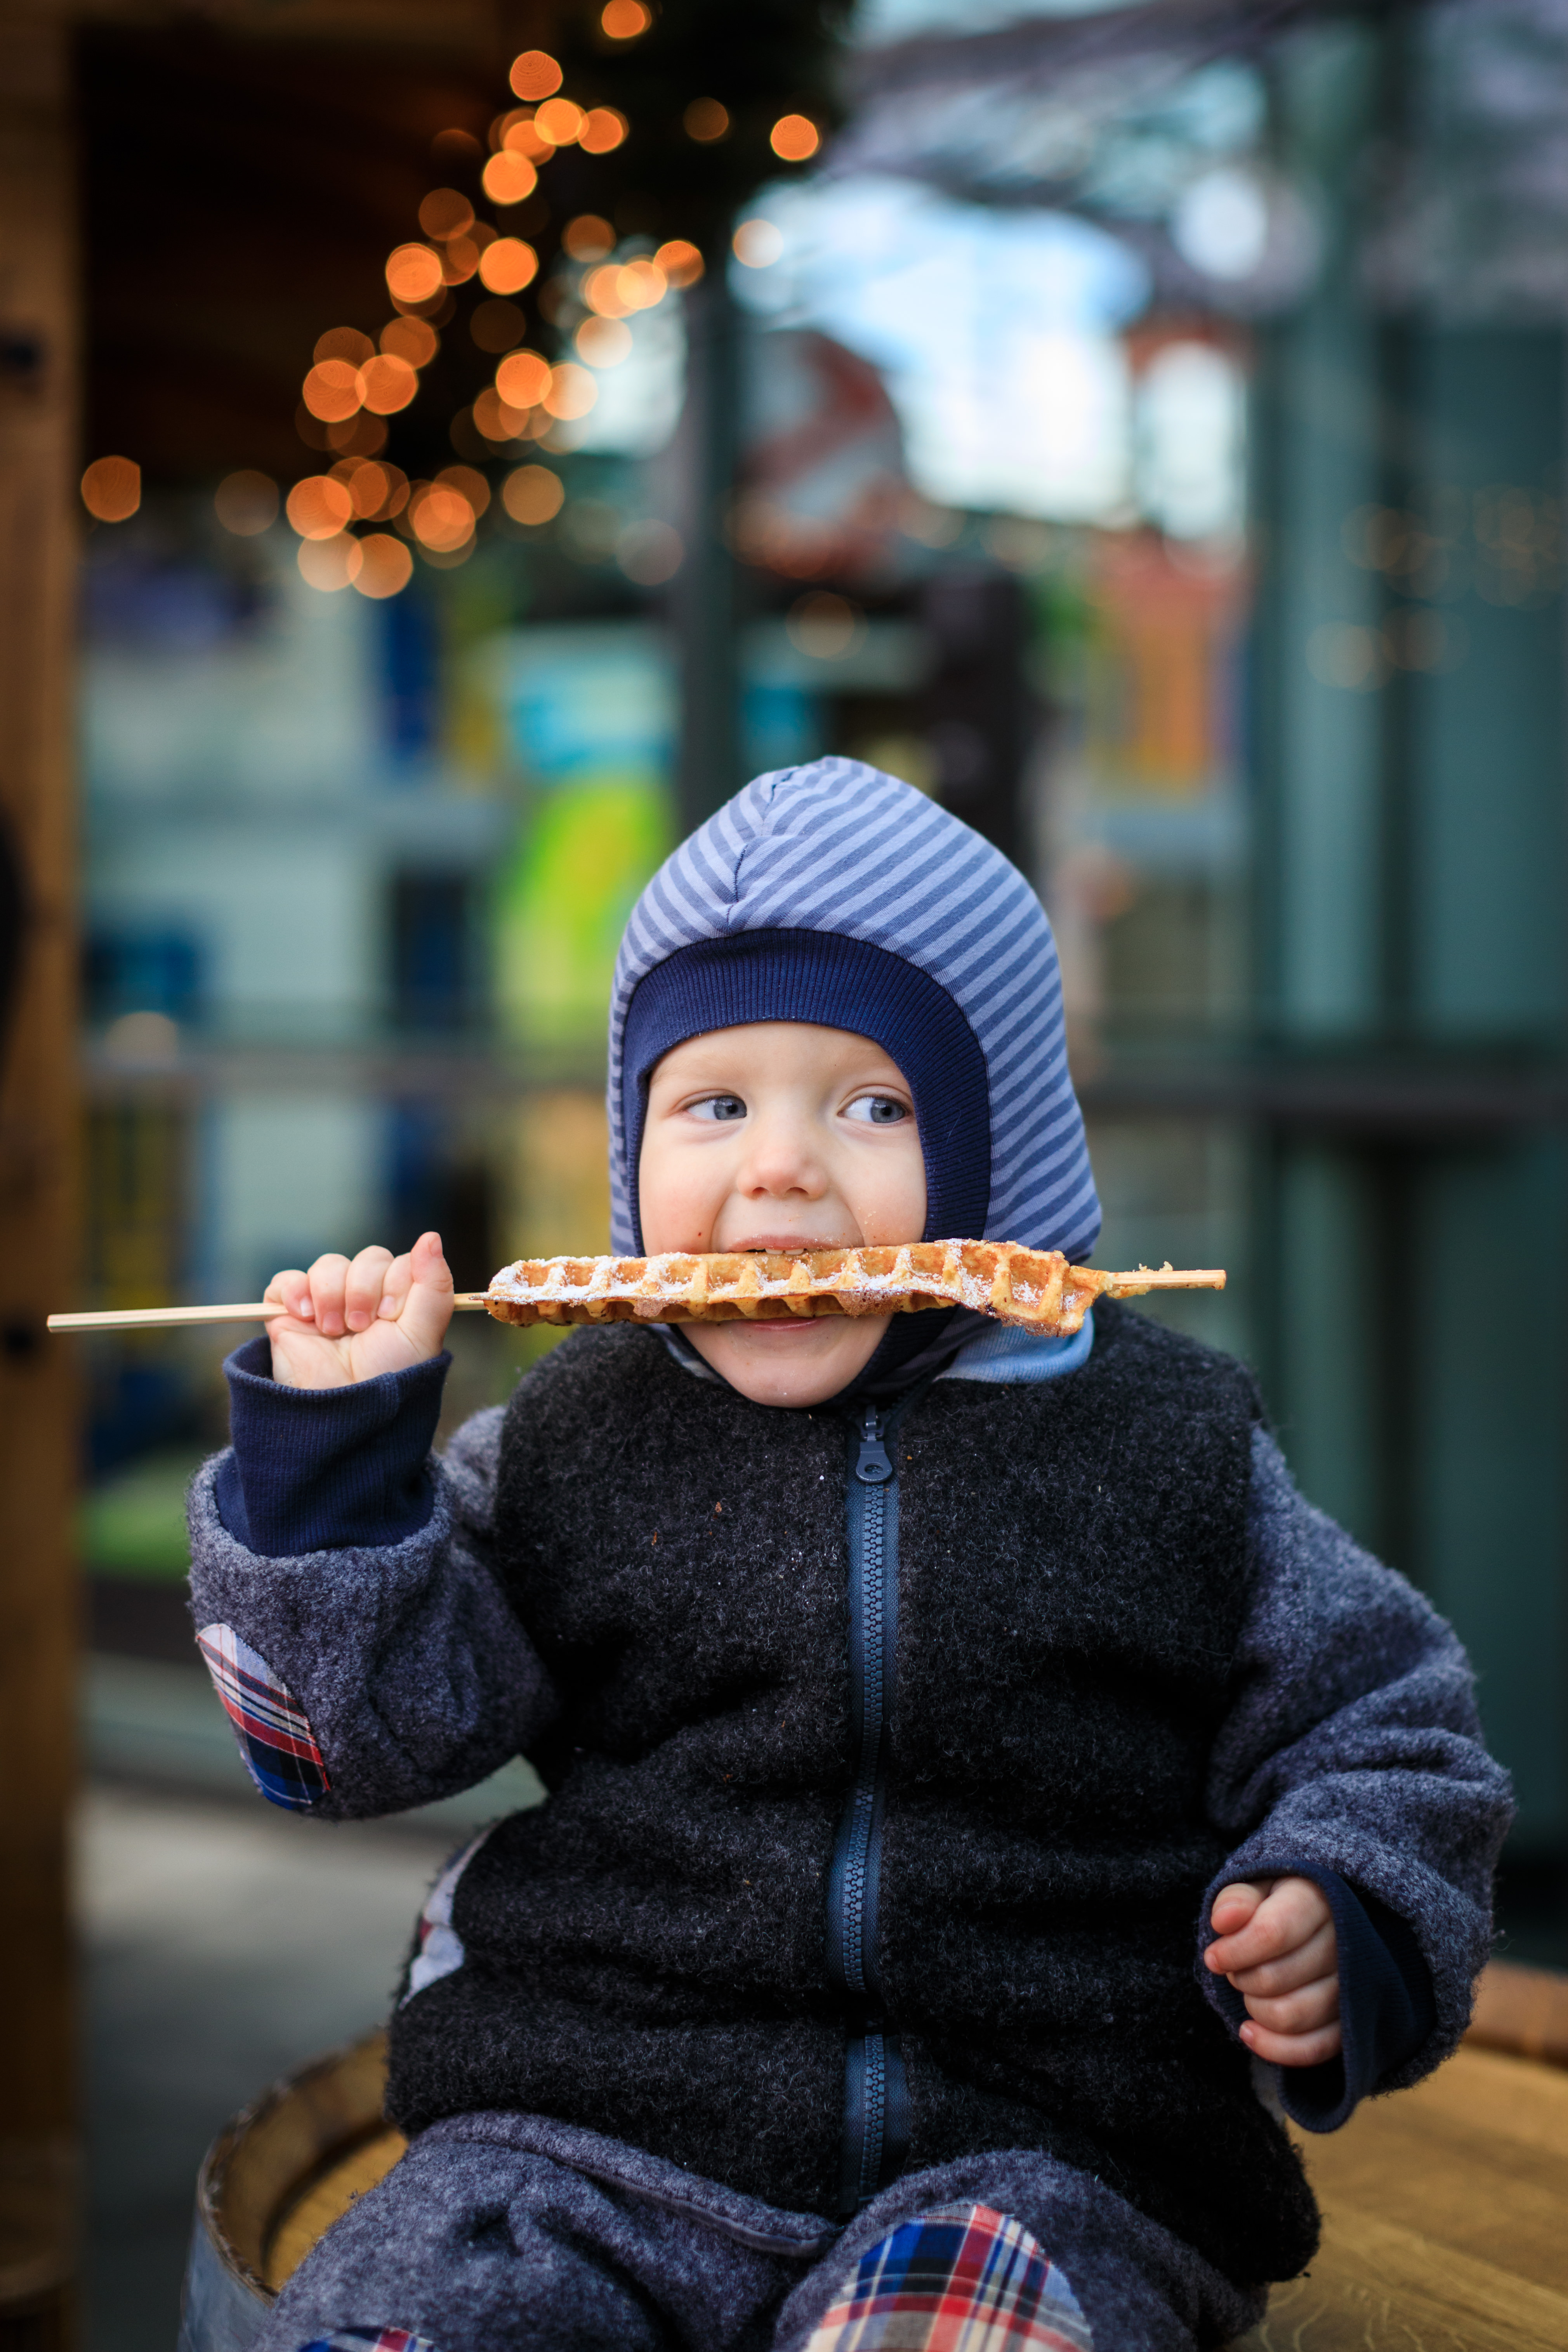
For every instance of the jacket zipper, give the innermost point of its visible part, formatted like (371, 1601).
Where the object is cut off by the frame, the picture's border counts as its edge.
(876, 2123)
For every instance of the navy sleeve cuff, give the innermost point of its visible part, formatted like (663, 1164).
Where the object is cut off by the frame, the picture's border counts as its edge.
(323, 1469)
(1387, 2008)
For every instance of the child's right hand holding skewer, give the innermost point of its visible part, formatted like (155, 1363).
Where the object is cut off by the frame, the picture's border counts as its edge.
(352, 1318)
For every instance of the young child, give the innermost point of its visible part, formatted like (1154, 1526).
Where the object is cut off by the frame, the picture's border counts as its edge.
(982, 1792)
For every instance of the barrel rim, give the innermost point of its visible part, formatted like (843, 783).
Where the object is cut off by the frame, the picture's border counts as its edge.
(213, 2178)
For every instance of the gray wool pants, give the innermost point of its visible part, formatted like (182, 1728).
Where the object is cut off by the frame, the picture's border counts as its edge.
(510, 2233)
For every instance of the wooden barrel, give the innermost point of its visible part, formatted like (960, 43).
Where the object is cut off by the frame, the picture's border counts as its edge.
(1483, 2146)
(274, 2180)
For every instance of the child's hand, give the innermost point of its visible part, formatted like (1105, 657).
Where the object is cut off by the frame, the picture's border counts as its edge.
(350, 1320)
(1276, 1945)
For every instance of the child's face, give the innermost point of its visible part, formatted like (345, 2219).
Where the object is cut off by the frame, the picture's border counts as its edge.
(781, 1135)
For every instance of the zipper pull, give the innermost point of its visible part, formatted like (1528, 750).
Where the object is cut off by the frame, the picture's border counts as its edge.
(873, 1465)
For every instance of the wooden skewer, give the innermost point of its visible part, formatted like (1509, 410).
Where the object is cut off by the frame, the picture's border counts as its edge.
(168, 1318)
(1168, 1278)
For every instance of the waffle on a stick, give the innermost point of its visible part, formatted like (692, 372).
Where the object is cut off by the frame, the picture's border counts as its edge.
(1037, 1290)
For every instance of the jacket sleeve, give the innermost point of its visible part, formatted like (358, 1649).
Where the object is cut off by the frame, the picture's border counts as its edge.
(362, 1676)
(1352, 1754)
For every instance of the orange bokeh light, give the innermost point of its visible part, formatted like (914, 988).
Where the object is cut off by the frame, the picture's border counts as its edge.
(680, 262)
(560, 121)
(508, 266)
(444, 214)
(495, 419)
(388, 383)
(413, 273)
(509, 178)
(442, 516)
(623, 20)
(318, 507)
(518, 137)
(604, 129)
(332, 391)
(604, 343)
(329, 565)
(602, 292)
(460, 261)
(523, 378)
(589, 237)
(533, 494)
(369, 485)
(385, 565)
(535, 74)
(344, 343)
(794, 137)
(572, 393)
(705, 119)
(414, 339)
(641, 284)
(469, 483)
(247, 502)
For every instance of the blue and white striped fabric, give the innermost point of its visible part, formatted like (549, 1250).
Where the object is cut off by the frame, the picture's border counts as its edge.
(838, 846)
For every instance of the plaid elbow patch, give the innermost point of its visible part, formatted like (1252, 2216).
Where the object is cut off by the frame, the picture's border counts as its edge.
(274, 1732)
(959, 2279)
(369, 2339)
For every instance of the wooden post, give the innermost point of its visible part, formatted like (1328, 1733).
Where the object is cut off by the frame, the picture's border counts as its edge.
(39, 370)
(705, 603)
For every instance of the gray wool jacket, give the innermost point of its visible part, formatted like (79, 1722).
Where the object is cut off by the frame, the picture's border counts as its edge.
(1349, 1749)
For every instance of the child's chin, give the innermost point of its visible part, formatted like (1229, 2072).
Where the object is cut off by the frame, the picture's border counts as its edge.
(794, 1363)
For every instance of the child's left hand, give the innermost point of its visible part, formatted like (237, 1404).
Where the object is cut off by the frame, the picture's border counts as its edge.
(1276, 1945)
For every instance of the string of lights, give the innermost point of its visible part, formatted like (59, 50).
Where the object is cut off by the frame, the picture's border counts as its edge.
(601, 191)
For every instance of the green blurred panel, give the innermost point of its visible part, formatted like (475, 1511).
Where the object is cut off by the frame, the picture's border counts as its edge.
(1325, 1382)
(1316, 468)
(133, 1525)
(1488, 1369)
(586, 854)
(1490, 841)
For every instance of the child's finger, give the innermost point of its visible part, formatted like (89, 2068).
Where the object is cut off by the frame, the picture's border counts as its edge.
(427, 1310)
(1291, 1912)
(1314, 1959)
(1302, 2011)
(361, 1286)
(1292, 2049)
(395, 1287)
(1235, 1905)
(291, 1287)
(329, 1278)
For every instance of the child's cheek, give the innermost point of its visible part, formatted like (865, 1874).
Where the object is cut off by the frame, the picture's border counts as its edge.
(680, 1196)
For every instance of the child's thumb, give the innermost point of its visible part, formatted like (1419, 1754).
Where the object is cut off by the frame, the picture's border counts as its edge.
(427, 1310)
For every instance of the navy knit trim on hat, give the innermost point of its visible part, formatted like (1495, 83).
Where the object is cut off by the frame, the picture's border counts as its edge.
(837, 983)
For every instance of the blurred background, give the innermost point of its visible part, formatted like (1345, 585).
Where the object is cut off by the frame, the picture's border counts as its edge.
(493, 431)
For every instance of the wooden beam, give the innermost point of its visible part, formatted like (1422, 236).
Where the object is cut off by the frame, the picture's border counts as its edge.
(38, 511)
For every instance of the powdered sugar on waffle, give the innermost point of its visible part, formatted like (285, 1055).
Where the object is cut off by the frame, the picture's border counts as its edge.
(1037, 1290)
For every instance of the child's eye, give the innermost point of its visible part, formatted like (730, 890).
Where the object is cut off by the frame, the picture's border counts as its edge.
(718, 1107)
(877, 1110)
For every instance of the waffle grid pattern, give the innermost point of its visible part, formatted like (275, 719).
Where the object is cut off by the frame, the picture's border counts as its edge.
(1036, 1289)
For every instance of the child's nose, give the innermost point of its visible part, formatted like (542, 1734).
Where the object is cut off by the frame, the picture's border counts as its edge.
(781, 1162)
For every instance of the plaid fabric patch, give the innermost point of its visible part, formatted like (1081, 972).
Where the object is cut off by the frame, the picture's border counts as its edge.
(369, 2339)
(440, 1948)
(958, 2279)
(275, 1735)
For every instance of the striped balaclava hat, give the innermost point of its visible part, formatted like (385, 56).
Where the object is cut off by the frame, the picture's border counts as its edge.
(834, 894)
